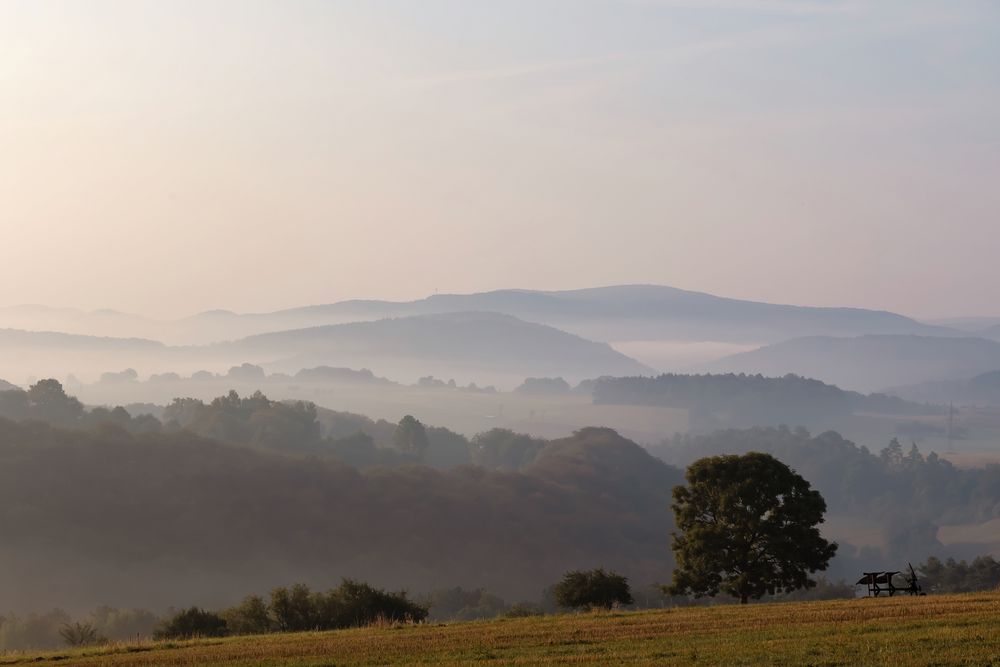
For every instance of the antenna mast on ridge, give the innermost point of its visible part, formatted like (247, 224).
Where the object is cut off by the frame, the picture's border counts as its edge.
(951, 428)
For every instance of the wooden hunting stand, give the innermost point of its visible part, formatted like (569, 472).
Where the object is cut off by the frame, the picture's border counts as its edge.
(881, 583)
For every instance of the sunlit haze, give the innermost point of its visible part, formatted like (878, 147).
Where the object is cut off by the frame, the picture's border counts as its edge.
(170, 157)
(400, 331)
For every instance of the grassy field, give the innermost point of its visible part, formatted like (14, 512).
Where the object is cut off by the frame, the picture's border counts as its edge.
(933, 630)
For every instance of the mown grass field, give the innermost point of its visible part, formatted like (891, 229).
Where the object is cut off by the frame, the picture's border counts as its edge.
(933, 630)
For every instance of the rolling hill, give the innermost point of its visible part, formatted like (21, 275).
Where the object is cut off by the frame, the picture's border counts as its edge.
(981, 390)
(869, 363)
(609, 314)
(105, 322)
(618, 313)
(33, 354)
(16, 339)
(171, 519)
(470, 346)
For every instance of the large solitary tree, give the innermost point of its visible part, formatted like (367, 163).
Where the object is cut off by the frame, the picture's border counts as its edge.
(747, 526)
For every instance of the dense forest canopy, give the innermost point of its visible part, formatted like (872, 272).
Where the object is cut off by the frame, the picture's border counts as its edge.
(724, 400)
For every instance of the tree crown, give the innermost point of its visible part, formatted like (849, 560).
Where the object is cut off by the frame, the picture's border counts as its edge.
(747, 527)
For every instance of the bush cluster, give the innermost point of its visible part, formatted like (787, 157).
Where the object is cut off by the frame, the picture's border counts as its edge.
(297, 609)
(593, 589)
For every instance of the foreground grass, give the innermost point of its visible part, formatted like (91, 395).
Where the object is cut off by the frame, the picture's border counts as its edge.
(934, 630)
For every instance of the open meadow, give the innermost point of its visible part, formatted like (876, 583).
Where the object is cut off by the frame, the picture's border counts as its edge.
(933, 630)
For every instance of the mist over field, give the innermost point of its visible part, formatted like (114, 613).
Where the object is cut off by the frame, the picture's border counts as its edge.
(432, 308)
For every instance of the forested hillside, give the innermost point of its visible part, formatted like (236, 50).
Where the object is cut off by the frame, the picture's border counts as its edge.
(242, 493)
(731, 400)
(157, 519)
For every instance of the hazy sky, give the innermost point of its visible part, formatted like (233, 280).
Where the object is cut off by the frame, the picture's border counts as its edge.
(168, 157)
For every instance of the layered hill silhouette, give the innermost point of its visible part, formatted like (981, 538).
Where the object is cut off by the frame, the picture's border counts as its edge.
(609, 314)
(981, 390)
(101, 323)
(11, 339)
(869, 363)
(618, 313)
(467, 345)
(503, 336)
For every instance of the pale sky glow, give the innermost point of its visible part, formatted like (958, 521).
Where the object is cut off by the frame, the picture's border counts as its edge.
(170, 157)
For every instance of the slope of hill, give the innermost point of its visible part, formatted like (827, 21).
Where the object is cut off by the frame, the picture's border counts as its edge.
(948, 629)
(11, 339)
(470, 346)
(104, 322)
(869, 363)
(27, 354)
(473, 347)
(169, 519)
(618, 313)
(981, 390)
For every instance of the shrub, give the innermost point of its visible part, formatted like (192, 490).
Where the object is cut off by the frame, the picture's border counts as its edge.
(523, 610)
(81, 634)
(362, 604)
(592, 589)
(297, 609)
(193, 622)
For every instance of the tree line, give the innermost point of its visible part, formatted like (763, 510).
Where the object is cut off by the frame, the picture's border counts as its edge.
(739, 400)
(905, 492)
(293, 427)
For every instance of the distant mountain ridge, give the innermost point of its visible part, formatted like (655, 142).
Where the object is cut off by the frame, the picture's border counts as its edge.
(607, 314)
